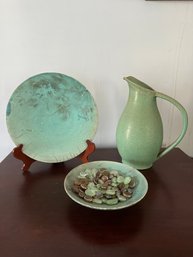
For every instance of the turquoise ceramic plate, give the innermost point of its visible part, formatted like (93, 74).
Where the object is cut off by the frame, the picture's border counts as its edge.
(139, 192)
(52, 115)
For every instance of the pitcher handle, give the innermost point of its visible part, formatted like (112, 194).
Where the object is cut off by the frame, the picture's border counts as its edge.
(184, 123)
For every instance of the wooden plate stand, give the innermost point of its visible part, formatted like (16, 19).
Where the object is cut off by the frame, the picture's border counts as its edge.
(27, 161)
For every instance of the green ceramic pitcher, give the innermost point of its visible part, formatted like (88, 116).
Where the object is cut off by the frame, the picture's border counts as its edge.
(139, 133)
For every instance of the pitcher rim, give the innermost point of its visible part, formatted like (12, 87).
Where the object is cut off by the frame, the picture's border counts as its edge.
(139, 84)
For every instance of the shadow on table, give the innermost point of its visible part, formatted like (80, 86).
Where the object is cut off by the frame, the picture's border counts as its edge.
(158, 188)
(105, 227)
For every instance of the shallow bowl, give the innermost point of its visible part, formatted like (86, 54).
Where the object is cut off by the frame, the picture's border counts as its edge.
(139, 191)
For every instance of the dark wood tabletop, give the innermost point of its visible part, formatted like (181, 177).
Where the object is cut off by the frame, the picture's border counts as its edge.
(38, 219)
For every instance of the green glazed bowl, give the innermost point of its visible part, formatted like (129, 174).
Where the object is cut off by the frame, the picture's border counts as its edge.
(139, 192)
(52, 115)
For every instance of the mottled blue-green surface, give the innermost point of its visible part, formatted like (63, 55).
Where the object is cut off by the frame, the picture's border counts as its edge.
(52, 115)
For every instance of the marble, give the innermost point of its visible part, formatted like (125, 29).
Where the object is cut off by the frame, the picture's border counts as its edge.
(139, 191)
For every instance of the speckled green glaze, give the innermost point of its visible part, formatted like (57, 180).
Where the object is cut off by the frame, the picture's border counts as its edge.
(139, 132)
(52, 115)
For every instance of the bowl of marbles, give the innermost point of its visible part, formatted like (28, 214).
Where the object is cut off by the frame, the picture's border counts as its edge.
(105, 185)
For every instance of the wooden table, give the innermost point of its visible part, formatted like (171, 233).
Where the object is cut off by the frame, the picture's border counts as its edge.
(38, 219)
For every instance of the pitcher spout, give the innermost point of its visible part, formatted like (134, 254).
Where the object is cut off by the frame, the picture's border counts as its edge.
(137, 83)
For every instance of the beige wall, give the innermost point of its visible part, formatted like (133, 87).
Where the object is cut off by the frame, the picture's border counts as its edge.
(98, 42)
